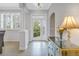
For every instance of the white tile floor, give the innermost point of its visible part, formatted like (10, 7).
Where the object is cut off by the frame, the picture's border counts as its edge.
(38, 48)
(35, 48)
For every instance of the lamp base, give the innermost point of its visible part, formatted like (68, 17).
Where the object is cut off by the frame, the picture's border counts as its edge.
(69, 36)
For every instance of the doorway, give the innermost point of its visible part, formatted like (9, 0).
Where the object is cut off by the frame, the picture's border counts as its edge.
(52, 25)
(39, 28)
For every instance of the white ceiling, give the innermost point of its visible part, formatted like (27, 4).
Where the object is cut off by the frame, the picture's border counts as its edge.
(34, 6)
(30, 6)
(9, 6)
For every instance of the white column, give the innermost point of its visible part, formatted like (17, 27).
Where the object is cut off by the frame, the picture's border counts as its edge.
(24, 36)
(11, 21)
(22, 15)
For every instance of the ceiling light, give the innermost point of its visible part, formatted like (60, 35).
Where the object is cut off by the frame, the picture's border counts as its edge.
(37, 5)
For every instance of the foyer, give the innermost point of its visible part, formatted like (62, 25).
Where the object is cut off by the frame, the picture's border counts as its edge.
(34, 29)
(25, 26)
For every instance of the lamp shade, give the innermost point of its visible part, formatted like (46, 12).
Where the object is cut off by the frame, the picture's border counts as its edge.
(69, 23)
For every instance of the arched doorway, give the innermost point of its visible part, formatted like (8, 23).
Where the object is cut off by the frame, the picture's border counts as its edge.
(52, 25)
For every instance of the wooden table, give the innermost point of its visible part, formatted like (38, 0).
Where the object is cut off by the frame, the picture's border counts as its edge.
(70, 51)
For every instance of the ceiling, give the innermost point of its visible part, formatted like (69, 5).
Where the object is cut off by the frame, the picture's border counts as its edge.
(42, 6)
(9, 5)
(30, 6)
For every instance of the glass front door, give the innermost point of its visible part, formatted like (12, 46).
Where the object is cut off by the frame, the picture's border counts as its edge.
(36, 29)
(39, 29)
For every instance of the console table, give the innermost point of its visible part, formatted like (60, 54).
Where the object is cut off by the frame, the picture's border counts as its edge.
(70, 51)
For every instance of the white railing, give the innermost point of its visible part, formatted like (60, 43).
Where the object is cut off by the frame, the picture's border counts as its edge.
(53, 48)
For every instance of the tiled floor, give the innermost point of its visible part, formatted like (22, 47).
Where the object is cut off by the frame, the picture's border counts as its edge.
(35, 48)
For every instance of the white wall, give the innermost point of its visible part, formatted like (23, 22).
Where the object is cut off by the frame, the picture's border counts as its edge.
(50, 12)
(11, 35)
(62, 10)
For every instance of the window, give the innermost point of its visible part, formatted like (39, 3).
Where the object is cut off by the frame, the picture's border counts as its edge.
(16, 23)
(9, 21)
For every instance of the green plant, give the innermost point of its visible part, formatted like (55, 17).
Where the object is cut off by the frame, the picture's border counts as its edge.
(36, 29)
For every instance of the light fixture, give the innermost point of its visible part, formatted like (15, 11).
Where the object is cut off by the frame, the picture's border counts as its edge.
(68, 24)
(37, 5)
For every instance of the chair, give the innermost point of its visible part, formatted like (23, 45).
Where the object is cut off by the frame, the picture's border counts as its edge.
(1, 40)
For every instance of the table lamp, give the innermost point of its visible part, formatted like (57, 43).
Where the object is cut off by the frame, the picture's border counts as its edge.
(68, 24)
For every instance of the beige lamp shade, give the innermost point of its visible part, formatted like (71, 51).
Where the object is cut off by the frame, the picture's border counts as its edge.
(69, 23)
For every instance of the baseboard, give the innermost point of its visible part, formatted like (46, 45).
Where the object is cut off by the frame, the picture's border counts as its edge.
(39, 40)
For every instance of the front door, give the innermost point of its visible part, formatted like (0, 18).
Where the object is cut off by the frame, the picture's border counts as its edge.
(39, 28)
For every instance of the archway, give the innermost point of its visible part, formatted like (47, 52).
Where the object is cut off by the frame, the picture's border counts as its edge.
(52, 25)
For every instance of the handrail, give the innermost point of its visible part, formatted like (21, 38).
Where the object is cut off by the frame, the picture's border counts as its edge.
(55, 48)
